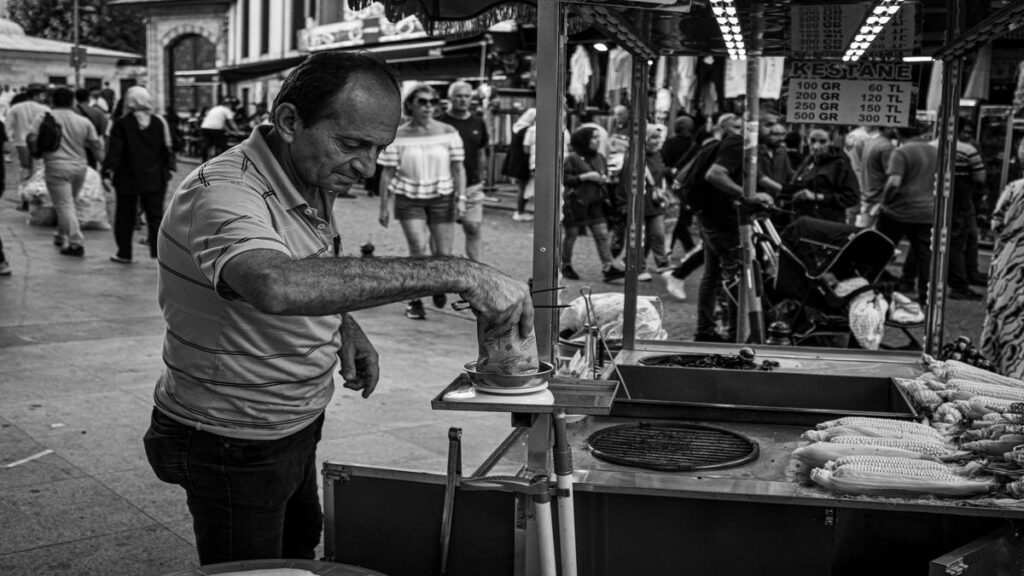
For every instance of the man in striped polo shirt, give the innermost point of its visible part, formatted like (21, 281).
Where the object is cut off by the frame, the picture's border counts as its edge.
(256, 296)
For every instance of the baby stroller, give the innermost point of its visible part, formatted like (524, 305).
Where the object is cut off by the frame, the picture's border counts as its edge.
(811, 258)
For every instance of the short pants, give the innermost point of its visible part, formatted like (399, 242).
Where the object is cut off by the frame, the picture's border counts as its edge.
(433, 210)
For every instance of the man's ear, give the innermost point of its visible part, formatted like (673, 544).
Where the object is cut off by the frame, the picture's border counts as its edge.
(287, 121)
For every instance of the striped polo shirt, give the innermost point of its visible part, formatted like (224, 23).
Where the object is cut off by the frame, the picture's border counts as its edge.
(423, 164)
(229, 368)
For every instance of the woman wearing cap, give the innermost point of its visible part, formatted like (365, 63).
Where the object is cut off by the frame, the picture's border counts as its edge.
(423, 170)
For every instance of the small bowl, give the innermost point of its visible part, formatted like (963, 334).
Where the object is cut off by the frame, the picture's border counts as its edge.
(509, 381)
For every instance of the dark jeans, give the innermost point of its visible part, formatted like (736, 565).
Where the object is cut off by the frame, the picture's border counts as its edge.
(920, 237)
(124, 220)
(721, 265)
(681, 231)
(961, 271)
(249, 499)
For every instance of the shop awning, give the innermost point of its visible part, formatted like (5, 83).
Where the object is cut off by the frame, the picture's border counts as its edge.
(397, 53)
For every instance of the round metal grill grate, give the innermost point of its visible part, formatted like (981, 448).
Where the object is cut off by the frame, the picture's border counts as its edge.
(672, 447)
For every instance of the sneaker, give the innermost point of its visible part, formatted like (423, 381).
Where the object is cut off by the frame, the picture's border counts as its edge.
(522, 217)
(58, 241)
(415, 311)
(676, 287)
(644, 276)
(568, 273)
(439, 300)
(73, 250)
(611, 274)
(5, 269)
(120, 260)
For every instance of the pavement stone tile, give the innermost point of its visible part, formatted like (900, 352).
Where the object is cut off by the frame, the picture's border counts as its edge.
(63, 511)
(140, 487)
(147, 551)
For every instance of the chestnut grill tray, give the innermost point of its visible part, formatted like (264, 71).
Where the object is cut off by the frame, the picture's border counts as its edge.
(671, 447)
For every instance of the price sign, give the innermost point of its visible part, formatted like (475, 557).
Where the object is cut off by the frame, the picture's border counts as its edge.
(874, 94)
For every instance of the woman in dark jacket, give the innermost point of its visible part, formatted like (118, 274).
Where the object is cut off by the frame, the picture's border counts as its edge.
(585, 176)
(825, 185)
(140, 160)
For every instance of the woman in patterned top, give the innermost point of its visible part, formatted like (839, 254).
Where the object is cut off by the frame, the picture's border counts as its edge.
(423, 170)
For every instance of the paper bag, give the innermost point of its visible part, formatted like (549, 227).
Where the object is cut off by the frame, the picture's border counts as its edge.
(504, 351)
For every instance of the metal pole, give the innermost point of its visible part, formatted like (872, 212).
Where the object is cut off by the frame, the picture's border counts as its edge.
(77, 55)
(952, 70)
(750, 324)
(551, 40)
(634, 248)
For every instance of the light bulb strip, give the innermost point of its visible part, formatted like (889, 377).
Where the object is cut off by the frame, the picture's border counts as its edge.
(728, 21)
(877, 17)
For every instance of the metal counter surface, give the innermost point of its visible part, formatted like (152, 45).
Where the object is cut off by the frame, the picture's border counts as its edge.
(769, 479)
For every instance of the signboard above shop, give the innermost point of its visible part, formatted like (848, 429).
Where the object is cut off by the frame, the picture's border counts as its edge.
(360, 28)
(826, 29)
(856, 94)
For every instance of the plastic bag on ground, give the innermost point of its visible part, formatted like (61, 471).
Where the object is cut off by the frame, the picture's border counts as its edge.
(608, 309)
(91, 206)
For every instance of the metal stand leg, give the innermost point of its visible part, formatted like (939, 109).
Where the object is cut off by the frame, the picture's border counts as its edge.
(566, 511)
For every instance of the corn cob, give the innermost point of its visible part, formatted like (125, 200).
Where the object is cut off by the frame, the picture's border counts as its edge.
(884, 424)
(954, 369)
(995, 447)
(986, 404)
(921, 446)
(863, 470)
(948, 413)
(850, 430)
(966, 389)
(850, 480)
(817, 454)
(888, 463)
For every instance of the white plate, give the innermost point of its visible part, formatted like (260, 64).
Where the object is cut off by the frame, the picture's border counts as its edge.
(512, 391)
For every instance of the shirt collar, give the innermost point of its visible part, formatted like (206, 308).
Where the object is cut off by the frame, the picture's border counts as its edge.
(257, 149)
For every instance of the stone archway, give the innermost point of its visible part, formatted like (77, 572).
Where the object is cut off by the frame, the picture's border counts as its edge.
(166, 29)
(190, 92)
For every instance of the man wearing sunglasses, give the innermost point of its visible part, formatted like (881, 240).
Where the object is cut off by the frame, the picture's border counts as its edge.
(256, 294)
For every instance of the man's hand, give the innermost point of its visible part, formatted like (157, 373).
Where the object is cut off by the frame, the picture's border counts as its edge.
(360, 366)
(764, 198)
(384, 217)
(501, 300)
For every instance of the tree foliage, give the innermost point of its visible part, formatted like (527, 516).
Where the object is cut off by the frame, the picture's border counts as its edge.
(100, 25)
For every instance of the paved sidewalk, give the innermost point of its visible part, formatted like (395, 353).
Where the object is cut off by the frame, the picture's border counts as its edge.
(80, 344)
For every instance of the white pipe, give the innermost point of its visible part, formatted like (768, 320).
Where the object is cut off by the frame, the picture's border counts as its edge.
(567, 525)
(545, 538)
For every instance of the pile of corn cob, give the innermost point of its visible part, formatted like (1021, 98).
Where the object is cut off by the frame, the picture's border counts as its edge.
(862, 436)
(889, 476)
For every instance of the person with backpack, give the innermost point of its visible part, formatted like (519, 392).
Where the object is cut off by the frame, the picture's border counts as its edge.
(713, 195)
(701, 155)
(61, 138)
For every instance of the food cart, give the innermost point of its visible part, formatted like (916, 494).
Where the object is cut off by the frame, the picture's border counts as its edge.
(726, 502)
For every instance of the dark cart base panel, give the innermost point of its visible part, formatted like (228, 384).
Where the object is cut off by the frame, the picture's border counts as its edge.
(393, 524)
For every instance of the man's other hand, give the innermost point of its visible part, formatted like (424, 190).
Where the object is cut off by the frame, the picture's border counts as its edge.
(360, 366)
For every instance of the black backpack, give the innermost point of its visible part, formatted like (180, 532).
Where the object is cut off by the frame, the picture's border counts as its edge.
(48, 137)
(691, 185)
